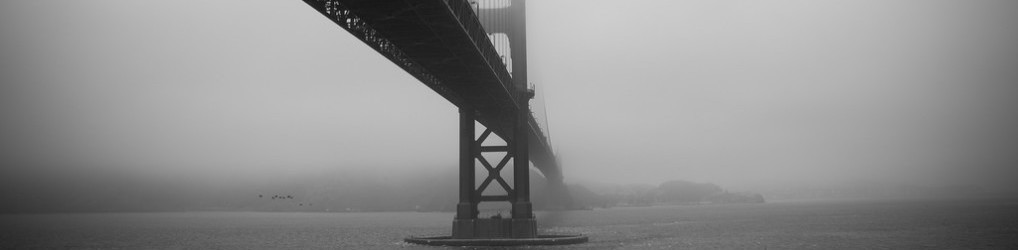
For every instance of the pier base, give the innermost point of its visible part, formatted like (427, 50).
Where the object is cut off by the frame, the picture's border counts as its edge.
(494, 228)
(539, 240)
(496, 232)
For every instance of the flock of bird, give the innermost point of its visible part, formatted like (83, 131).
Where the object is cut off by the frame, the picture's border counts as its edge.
(283, 197)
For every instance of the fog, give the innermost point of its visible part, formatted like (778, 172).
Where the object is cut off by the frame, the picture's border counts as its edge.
(746, 94)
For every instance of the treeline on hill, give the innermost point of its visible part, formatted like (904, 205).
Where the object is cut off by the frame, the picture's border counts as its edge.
(670, 192)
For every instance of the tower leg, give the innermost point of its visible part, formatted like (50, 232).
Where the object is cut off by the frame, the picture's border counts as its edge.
(466, 209)
(522, 208)
(523, 223)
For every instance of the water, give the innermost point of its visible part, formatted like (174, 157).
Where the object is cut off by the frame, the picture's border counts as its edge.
(928, 224)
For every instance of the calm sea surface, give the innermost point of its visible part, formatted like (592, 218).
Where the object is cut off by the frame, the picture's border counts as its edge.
(913, 224)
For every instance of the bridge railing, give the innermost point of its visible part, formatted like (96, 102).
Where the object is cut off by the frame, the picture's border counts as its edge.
(542, 133)
(471, 21)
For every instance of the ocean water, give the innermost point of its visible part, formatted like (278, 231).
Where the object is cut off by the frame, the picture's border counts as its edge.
(887, 224)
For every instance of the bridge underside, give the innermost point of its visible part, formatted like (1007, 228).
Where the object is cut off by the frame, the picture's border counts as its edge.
(442, 44)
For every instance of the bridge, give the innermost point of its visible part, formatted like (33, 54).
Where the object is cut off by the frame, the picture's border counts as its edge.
(472, 53)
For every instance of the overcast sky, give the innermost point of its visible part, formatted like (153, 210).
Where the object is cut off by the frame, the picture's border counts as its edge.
(733, 92)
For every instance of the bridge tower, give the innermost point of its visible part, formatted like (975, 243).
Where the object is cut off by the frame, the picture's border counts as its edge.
(457, 48)
(521, 224)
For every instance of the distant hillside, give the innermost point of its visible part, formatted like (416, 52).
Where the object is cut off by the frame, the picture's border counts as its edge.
(670, 192)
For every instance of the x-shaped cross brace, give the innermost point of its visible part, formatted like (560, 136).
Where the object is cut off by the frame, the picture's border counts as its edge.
(494, 173)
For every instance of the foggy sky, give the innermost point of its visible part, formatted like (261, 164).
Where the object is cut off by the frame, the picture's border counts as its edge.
(732, 92)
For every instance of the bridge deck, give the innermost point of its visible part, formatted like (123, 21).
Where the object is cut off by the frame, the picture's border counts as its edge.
(442, 44)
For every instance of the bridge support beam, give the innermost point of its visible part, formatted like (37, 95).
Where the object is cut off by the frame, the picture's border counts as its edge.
(467, 206)
(467, 225)
(524, 225)
(521, 224)
(466, 210)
